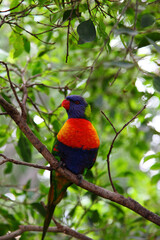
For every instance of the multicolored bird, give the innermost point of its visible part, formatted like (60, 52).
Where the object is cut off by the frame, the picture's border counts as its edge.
(76, 146)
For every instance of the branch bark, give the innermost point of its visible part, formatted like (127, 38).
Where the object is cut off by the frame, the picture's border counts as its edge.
(113, 196)
(61, 229)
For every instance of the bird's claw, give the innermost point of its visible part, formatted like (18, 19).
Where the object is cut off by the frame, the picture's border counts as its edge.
(79, 177)
(61, 164)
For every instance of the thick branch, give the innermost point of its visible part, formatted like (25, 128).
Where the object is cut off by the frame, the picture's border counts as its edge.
(61, 229)
(115, 197)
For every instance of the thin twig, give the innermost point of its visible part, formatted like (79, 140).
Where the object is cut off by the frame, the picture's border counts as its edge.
(8, 10)
(33, 34)
(5, 113)
(47, 86)
(89, 9)
(20, 187)
(68, 32)
(109, 121)
(11, 85)
(113, 141)
(37, 109)
(25, 92)
(6, 159)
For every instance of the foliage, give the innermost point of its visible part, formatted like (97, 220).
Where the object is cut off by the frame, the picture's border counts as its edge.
(108, 51)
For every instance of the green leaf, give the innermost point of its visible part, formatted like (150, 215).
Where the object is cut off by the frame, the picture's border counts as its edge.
(91, 195)
(9, 218)
(156, 83)
(94, 216)
(154, 44)
(3, 141)
(73, 13)
(157, 155)
(42, 52)
(39, 208)
(3, 228)
(37, 67)
(9, 167)
(54, 17)
(147, 20)
(127, 31)
(14, 4)
(43, 89)
(89, 174)
(155, 166)
(24, 148)
(8, 99)
(18, 44)
(101, 28)
(5, 133)
(56, 126)
(41, 2)
(118, 207)
(126, 174)
(72, 212)
(119, 188)
(43, 189)
(155, 36)
(26, 44)
(83, 7)
(27, 185)
(155, 178)
(86, 31)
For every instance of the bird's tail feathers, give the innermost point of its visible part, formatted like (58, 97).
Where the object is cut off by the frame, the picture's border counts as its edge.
(57, 190)
(49, 214)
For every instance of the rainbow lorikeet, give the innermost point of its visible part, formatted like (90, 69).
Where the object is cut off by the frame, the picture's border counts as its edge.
(76, 146)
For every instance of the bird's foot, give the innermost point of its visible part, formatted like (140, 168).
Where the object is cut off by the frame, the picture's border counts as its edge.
(80, 178)
(61, 164)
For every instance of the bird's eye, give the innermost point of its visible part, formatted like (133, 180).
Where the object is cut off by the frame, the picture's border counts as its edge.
(77, 102)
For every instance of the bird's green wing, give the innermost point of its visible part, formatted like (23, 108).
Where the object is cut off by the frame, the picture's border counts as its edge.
(55, 151)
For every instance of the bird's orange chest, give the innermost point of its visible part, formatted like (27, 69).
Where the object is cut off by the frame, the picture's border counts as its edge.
(79, 133)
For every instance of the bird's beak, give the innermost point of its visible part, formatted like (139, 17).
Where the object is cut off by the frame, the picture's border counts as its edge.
(66, 104)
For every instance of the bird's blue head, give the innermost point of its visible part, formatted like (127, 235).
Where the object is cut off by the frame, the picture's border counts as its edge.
(76, 107)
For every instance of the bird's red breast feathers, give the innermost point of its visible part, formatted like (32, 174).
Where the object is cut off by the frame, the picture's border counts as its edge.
(79, 133)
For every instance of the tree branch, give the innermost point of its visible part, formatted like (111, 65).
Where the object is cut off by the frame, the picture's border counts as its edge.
(113, 196)
(6, 159)
(31, 228)
(114, 139)
(11, 85)
(9, 10)
(109, 122)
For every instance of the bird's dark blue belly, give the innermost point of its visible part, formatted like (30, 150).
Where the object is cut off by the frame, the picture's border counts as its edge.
(77, 159)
